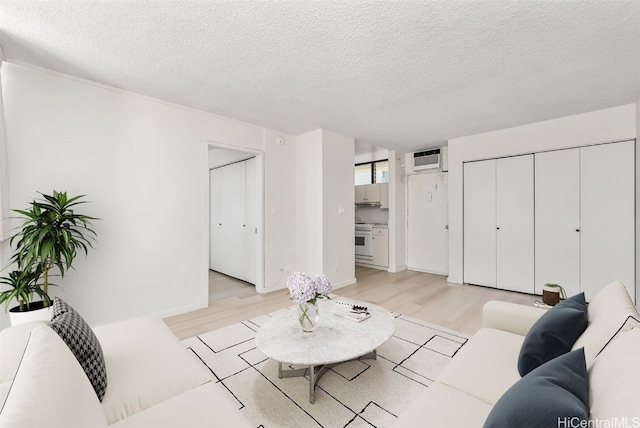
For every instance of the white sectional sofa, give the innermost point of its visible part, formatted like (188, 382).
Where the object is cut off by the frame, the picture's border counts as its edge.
(486, 367)
(153, 381)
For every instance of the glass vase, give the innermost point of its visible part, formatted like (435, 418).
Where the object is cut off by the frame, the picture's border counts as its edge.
(308, 315)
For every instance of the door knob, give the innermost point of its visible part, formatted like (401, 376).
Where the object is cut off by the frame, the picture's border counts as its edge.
(577, 230)
(447, 227)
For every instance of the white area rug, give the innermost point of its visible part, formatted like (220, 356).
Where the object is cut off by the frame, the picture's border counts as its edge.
(359, 393)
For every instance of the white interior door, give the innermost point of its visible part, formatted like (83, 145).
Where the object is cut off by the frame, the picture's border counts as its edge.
(515, 224)
(607, 199)
(427, 220)
(479, 213)
(557, 218)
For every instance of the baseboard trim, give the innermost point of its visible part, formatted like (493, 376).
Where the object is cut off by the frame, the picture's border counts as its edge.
(344, 283)
(435, 272)
(182, 310)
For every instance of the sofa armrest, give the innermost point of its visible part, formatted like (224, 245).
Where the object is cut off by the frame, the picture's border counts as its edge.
(13, 342)
(510, 317)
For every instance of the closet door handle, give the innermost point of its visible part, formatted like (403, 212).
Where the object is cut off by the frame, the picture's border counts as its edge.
(577, 230)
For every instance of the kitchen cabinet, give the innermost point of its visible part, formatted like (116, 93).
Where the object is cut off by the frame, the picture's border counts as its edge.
(381, 246)
(384, 195)
(368, 194)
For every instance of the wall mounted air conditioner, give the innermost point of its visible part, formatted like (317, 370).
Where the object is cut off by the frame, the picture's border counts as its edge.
(428, 159)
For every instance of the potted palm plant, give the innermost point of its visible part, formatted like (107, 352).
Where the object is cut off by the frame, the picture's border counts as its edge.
(22, 286)
(50, 237)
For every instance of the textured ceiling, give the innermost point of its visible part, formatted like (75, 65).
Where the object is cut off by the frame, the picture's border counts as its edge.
(396, 74)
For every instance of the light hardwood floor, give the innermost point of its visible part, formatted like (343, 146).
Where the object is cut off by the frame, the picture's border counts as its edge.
(420, 295)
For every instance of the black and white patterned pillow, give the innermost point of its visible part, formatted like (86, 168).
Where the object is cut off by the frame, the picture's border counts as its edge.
(59, 307)
(84, 344)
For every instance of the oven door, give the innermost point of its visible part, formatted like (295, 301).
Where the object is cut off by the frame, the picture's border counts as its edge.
(364, 247)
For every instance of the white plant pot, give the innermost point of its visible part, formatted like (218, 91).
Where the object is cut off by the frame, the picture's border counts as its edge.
(16, 317)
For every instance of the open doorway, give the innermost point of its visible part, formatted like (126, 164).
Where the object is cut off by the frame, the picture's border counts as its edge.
(235, 207)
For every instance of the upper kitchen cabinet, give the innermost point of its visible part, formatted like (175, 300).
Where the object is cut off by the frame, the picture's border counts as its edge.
(384, 195)
(369, 194)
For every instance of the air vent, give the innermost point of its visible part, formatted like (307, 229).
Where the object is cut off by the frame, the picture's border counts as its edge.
(429, 159)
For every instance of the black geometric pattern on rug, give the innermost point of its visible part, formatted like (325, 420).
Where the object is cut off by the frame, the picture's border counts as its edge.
(81, 340)
(352, 394)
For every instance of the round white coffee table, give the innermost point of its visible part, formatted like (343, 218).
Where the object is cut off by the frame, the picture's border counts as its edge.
(334, 340)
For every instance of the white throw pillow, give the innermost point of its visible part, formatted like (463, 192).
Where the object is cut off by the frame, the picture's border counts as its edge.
(50, 388)
(614, 380)
(607, 313)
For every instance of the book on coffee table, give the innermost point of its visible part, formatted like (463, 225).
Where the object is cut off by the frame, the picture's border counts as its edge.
(350, 311)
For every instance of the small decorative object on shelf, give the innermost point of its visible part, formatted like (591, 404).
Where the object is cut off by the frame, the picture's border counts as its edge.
(305, 291)
(552, 293)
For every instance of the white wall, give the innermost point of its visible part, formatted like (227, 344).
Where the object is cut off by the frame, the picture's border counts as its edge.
(142, 163)
(397, 212)
(338, 207)
(325, 205)
(637, 207)
(613, 124)
(280, 208)
(309, 202)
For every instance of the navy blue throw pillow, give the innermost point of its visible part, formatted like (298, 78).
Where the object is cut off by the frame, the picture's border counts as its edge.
(553, 334)
(555, 394)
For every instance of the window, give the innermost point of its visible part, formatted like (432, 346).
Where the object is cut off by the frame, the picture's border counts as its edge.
(372, 172)
(363, 174)
(382, 171)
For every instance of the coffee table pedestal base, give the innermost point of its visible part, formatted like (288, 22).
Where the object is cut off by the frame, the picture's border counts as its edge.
(315, 373)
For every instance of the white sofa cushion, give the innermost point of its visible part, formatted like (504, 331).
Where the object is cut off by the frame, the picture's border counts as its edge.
(486, 366)
(204, 406)
(444, 407)
(614, 389)
(50, 388)
(146, 365)
(607, 313)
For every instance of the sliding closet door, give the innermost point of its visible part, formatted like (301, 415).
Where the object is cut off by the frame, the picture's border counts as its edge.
(514, 223)
(479, 212)
(607, 193)
(557, 218)
(233, 217)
